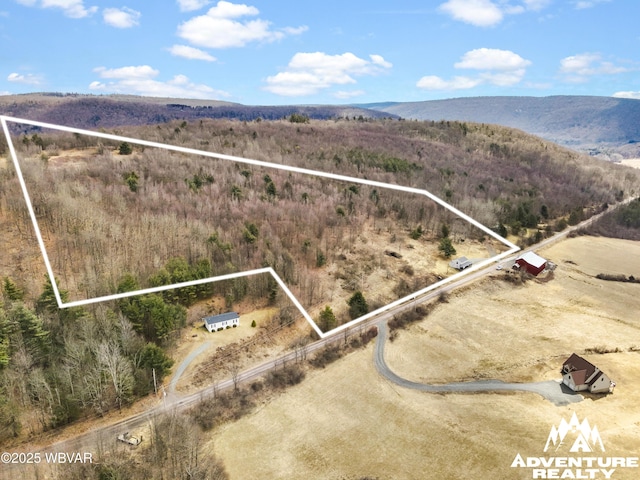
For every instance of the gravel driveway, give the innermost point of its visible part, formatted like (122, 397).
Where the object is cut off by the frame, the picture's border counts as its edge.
(551, 390)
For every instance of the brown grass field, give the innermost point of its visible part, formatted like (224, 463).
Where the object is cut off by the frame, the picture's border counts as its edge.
(347, 422)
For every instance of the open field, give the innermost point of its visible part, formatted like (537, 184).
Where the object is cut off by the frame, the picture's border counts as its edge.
(346, 422)
(523, 333)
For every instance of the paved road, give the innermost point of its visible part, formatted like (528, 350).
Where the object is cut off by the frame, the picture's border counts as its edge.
(551, 390)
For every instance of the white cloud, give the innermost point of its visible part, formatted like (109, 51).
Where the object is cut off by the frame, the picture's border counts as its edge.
(221, 27)
(295, 30)
(628, 94)
(141, 71)
(433, 82)
(121, 17)
(28, 79)
(577, 68)
(582, 4)
(308, 73)
(488, 13)
(71, 8)
(378, 60)
(191, 53)
(492, 59)
(579, 64)
(140, 80)
(232, 10)
(191, 5)
(497, 67)
(481, 13)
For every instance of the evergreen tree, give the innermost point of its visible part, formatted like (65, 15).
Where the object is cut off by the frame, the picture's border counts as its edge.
(152, 357)
(131, 179)
(47, 300)
(150, 314)
(446, 247)
(327, 320)
(357, 305)
(416, 233)
(35, 337)
(5, 331)
(11, 290)
(271, 190)
(125, 149)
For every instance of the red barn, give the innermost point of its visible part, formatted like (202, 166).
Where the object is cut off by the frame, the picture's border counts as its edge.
(531, 262)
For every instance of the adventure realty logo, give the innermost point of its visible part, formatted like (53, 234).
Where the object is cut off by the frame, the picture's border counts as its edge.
(574, 437)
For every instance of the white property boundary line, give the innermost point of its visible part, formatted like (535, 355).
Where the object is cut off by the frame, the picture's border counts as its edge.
(4, 119)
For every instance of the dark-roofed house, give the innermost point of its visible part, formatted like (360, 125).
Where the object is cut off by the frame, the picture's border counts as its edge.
(532, 263)
(222, 321)
(578, 374)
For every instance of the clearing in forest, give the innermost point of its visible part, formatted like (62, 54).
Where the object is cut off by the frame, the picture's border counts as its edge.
(106, 206)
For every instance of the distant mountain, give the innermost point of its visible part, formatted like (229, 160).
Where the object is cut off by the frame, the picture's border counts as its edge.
(581, 122)
(95, 111)
(597, 125)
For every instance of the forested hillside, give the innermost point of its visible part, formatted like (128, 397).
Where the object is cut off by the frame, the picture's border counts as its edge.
(96, 111)
(117, 216)
(582, 122)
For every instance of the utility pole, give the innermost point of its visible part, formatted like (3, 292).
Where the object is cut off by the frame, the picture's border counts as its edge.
(155, 385)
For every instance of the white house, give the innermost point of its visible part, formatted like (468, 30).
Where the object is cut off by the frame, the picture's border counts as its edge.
(578, 374)
(222, 321)
(460, 263)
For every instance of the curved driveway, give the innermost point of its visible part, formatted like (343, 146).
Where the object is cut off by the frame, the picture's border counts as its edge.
(551, 390)
(185, 363)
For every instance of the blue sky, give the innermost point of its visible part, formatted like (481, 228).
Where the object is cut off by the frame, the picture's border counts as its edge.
(350, 51)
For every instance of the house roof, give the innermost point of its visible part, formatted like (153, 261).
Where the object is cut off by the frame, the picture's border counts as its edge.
(576, 365)
(458, 262)
(220, 318)
(532, 259)
(598, 375)
(579, 377)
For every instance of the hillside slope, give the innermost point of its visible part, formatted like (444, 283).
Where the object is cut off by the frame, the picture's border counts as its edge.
(104, 111)
(581, 122)
(503, 178)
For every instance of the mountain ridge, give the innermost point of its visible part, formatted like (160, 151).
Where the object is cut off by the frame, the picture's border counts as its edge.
(588, 123)
(105, 111)
(604, 126)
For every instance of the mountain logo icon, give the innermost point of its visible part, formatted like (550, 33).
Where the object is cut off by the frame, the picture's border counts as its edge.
(581, 436)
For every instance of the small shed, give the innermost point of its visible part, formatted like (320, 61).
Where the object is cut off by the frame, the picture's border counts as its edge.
(579, 374)
(214, 323)
(532, 263)
(460, 263)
